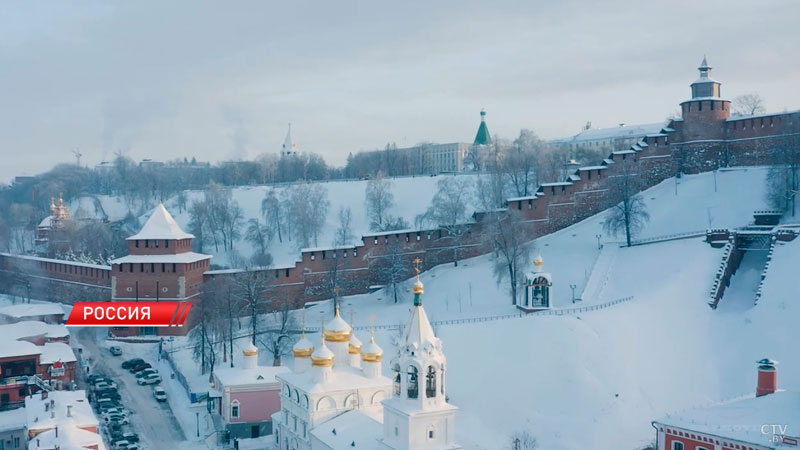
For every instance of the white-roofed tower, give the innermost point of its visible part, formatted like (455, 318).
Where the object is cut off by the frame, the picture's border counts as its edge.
(418, 415)
(160, 266)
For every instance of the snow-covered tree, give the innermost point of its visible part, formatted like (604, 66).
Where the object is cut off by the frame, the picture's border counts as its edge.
(274, 212)
(448, 210)
(307, 208)
(275, 331)
(258, 234)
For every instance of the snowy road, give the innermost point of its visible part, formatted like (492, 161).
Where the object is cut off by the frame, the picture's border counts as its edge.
(154, 422)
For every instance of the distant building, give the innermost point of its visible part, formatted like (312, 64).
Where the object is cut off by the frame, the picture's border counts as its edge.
(148, 163)
(248, 396)
(289, 147)
(609, 139)
(742, 424)
(51, 313)
(48, 230)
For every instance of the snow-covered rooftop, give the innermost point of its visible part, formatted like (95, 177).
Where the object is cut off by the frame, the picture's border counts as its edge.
(239, 376)
(161, 225)
(13, 419)
(24, 310)
(388, 233)
(81, 414)
(627, 131)
(742, 419)
(180, 258)
(353, 429)
(56, 351)
(759, 116)
(67, 438)
(31, 328)
(13, 348)
(343, 379)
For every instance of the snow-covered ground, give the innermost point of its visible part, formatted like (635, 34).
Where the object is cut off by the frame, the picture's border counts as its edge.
(597, 379)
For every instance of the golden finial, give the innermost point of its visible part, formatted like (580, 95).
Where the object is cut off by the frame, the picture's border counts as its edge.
(336, 309)
(372, 329)
(418, 288)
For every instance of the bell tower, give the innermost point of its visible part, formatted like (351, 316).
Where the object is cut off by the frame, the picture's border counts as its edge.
(418, 415)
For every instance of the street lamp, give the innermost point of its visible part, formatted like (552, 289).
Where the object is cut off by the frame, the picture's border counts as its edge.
(197, 415)
(598, 236)
(573, 286)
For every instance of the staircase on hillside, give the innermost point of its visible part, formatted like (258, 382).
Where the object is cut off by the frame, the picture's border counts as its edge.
(601, 271)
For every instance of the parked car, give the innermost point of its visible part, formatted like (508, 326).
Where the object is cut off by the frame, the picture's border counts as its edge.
(140, 367)
(109, 394)
(130, 437)
(133, 447)
(121, 445)
(116, 418)
(132, 363)
(114, 428)
(115, 411)
(109, 406)
(103, 385)
(116, 351)
(146, 372)
(150, 379)
(96, 377)
(105, 403)
(160, 394)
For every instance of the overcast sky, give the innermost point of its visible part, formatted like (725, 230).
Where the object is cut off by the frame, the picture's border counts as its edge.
(221, 80)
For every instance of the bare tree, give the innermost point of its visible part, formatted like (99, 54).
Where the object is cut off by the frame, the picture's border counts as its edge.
(251, 286)
(275, 331)
(523, 440)
(307, 210)
(391, 268)
(199, 224)
(520, 162)
(748, 105)
(628, 210)
(379, 201)
(508, 234)
(344, 234)
(207, 336)
(448, 210)
(258, 234)
(783, 178)
(181, 200)
(273, 212)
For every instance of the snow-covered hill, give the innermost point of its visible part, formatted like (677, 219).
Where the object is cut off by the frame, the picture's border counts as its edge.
(597, 379)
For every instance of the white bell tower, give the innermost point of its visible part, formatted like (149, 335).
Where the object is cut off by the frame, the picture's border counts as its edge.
(418, 415)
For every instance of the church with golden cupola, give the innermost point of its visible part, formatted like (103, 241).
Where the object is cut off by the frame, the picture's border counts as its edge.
(338, 398)
(537, 284)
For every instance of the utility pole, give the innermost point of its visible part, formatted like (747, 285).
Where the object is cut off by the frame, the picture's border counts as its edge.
(573, 286)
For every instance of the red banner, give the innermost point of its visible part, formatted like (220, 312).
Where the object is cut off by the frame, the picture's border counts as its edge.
(129, 314)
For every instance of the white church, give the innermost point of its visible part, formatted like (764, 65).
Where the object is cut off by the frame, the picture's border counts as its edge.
(337, 398)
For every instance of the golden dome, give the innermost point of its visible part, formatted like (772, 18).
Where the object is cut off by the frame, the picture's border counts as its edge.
(371, 352)
(418, 288)
(322, 356)
(538, 261)
(250, 350)
(354, 347)
(337, 330)
(303, 348)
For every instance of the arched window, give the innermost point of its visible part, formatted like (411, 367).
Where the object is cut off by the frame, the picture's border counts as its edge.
(431, 432)
(305, 401)
(396, 380)
(677, 445)
(235, 409)
(430, 383)
(413, 382)
(296, 396)
(441, 383)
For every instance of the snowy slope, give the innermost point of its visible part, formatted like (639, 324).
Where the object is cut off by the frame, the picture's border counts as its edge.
(597, 379)
(412, 196)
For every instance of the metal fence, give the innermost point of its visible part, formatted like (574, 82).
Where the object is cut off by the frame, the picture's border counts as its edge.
(667, 237)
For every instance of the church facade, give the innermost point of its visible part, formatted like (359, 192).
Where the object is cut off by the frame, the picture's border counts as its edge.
(337, 398)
